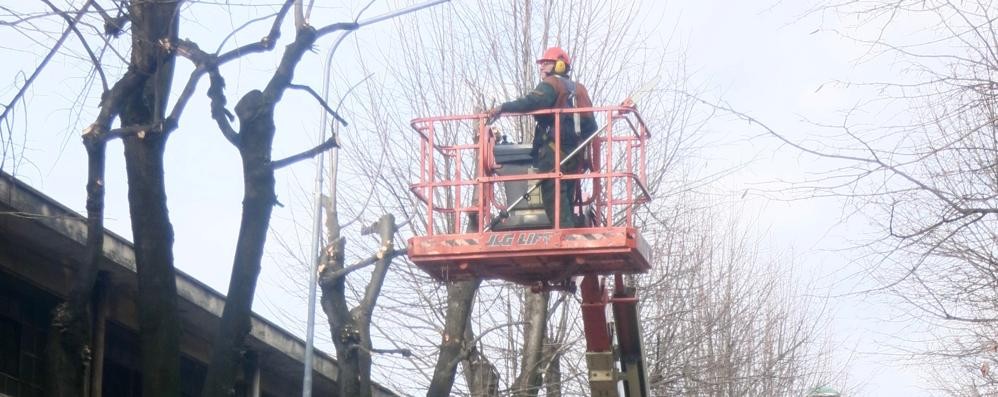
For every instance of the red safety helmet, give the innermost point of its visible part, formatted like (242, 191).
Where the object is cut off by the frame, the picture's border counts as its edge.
(559, 57)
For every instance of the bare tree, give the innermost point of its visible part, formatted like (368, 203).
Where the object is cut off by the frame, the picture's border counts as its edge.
(922, 172)
(351, 328)
(726, 320)
(138, 100)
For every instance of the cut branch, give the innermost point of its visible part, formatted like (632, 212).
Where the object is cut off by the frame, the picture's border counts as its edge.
(111, 104)
(403, 352)
(140, 130)
(328, 144)
(299, 15)
(359, 265)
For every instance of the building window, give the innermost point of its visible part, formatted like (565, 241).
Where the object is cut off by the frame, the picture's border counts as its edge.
(22, 342)
(10, 357)
(120, 380)
(192, 374)
(122, 376)
(121, 362)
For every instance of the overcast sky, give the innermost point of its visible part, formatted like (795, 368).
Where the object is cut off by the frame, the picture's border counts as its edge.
(779, 63)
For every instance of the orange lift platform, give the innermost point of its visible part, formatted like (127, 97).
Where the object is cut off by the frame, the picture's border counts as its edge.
(484, 218)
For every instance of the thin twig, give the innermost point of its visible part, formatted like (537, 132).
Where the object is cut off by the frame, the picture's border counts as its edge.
(874, 161)
(241, 27)
(266, 44)
(41, 66)
(321, 101)
(344, 97)
(83, 41)
(469, 346)
(21, 18)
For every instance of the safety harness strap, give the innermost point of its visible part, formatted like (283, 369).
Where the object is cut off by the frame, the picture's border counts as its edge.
(570, 103)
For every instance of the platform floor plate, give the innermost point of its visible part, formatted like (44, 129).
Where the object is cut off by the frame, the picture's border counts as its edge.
(529, 256)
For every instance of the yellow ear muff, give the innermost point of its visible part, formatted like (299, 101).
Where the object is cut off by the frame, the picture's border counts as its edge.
(560, 67)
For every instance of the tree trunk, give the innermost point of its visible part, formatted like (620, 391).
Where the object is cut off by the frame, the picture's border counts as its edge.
(480, 375)
(529, 381)
(334, 307)
(351, 329)
(67, 347)
(364, 311)
(159, 331)
(460, 302)
(257, 131)
(552, 374)
(100, 309)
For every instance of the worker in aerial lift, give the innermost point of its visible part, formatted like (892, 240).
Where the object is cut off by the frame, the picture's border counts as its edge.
(556, 91)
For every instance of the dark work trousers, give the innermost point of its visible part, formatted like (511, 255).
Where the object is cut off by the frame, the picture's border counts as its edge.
(545, 162)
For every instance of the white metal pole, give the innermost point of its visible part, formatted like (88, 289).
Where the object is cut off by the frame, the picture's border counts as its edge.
(306, 390)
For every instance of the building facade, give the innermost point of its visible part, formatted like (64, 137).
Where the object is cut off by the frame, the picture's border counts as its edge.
(40, 243)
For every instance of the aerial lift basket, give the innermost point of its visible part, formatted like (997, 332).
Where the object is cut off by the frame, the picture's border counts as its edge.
(484, 219)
